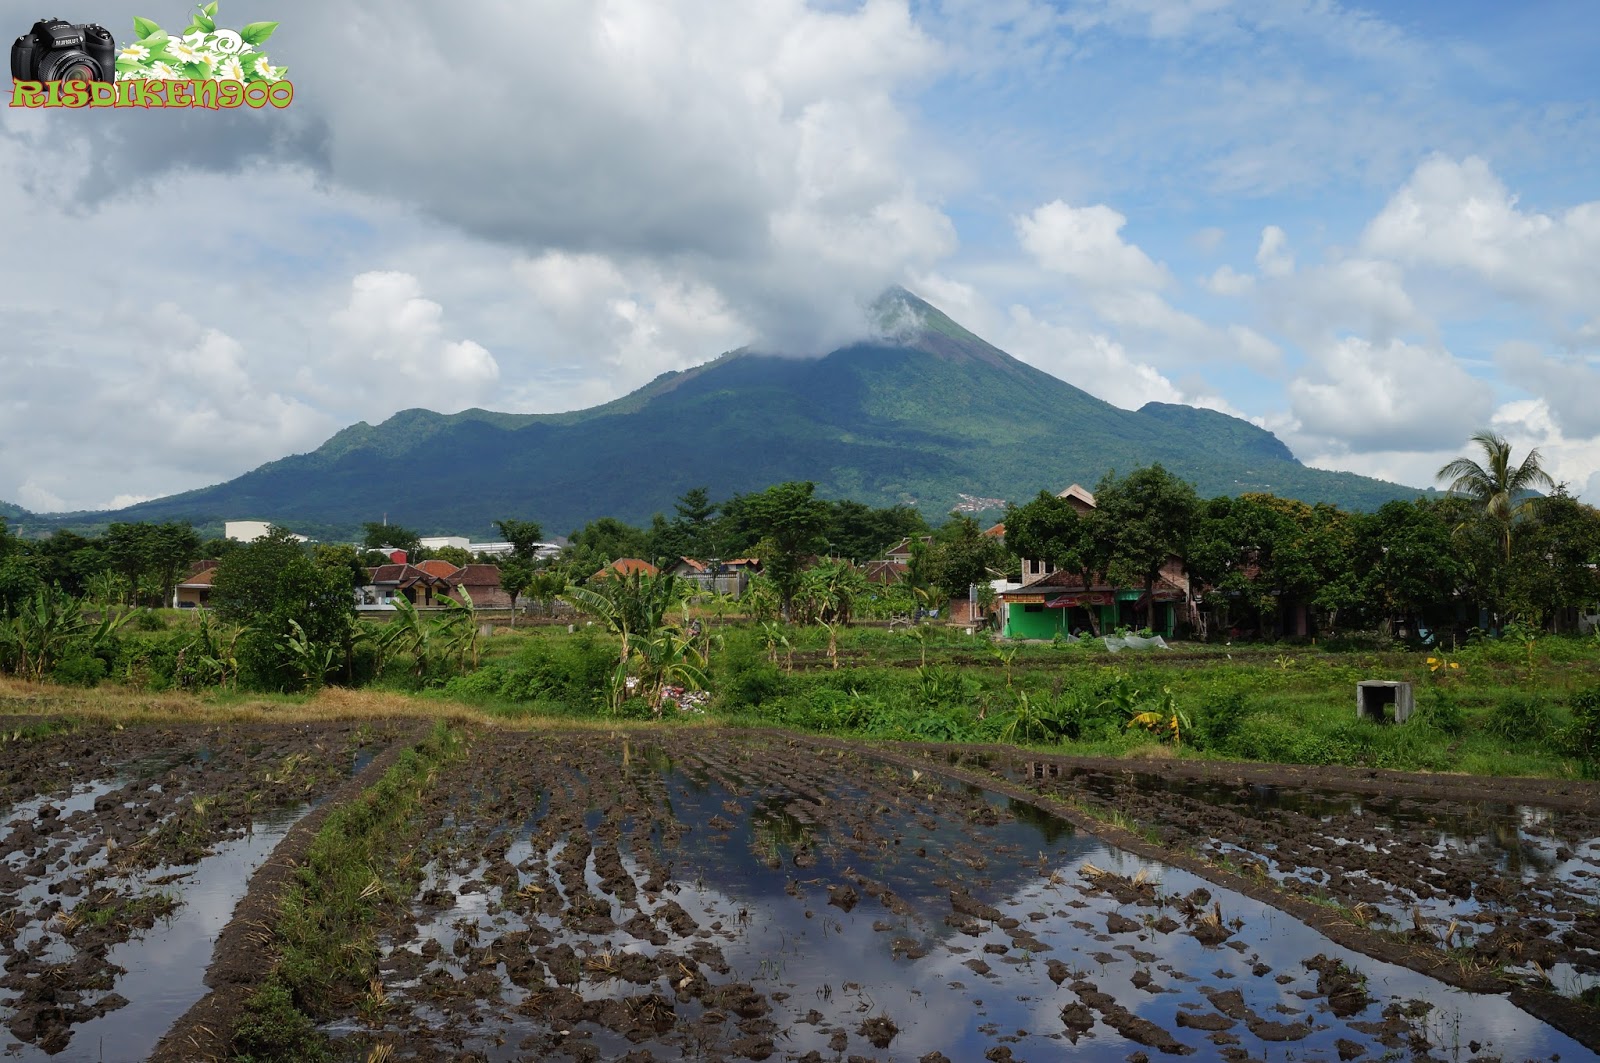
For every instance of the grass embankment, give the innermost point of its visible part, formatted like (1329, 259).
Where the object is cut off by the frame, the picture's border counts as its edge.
(1493, 707)
(325, 933)
(1490, 708)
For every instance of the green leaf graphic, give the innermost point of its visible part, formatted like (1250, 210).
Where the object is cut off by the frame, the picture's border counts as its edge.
(156, 41)
(145, 27)
(128, 66)
(196, 71)
(257, 32)
(204, 23)
(210, 10)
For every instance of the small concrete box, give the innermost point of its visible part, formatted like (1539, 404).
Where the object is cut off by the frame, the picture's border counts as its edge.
(1372, 695)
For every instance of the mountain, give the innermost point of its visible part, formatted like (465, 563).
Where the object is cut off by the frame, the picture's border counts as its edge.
(923, 415)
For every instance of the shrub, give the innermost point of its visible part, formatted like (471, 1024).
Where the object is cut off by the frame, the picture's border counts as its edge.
(148, 620)
(1219, 721)
(1520, 718)
(79, 667)
(1582, 736)
(1441, 712)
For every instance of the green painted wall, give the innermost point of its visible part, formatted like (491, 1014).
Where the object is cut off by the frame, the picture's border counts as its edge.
(1046, 623)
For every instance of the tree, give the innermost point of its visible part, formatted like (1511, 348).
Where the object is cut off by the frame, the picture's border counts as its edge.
(516, 575)
(694, 522)
(1554, 560)
(269, 583)
(601, 542)
(861, 533)
(1144, 519)
(962, 556)
(790, 521)
(151, 557)
(19, 576)
(523, 535)
(1500, 490)
(1050, 529)
(1410, 565)
(377, 536)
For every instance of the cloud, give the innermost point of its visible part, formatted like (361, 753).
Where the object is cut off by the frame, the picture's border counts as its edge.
(1457, 215)
(390, 348)
(1273, 257)
(1226, 281)
(633, 320)
(1085, 243)
(1364, 296)
(1092, 361)
(1569, 387)
(1387, 397)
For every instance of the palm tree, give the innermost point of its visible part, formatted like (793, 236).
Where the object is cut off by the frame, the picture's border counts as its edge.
(1495, 485)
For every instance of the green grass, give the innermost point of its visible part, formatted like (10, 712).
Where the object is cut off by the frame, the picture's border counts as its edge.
(325, 934)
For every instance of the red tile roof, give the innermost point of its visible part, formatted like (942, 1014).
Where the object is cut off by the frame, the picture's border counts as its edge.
(200, 579)
(626, 566)
(477, 576)
(442, 569)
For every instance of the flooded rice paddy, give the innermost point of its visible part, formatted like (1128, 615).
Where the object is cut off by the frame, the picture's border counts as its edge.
(756, 899)
(701, 895)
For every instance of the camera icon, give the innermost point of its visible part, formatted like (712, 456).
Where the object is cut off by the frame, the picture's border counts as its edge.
(58, 50)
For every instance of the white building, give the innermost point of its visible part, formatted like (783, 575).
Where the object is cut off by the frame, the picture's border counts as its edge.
(248, 531)
(436, 542)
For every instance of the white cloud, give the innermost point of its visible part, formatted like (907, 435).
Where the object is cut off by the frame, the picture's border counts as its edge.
(1228, 282)
(1459, 216)
(1569, 387)
(391, 351)
(1273, 257)
(634, 321)
(1092, 361)
(1369, 397)
(1364, 296)
(1086, 244)
(1568, 457)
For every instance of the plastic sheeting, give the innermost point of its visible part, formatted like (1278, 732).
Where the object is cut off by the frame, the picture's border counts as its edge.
(1134, 642)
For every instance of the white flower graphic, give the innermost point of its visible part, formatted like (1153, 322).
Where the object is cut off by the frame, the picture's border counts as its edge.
(160, 71)
(264, 69)
(134, 53)
(229, 70)
(183, 51)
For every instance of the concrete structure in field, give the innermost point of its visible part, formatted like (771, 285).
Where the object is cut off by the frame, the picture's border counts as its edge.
(1374, 695)
(248, 531)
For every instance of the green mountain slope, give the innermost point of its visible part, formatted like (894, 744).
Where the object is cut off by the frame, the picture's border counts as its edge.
(919, 417)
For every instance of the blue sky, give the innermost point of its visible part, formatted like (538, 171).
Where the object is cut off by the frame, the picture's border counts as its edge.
(1372, 230)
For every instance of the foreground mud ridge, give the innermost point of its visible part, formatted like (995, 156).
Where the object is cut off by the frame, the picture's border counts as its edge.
(706, 895)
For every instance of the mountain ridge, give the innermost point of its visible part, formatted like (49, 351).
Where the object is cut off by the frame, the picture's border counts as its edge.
(922, 413)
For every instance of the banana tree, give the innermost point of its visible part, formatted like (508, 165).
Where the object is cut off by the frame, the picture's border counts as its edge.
(665, 658)
(408, 632)
(50, 621)
(459, 627)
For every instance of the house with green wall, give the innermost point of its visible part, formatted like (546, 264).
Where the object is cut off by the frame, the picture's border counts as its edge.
(1052, 601)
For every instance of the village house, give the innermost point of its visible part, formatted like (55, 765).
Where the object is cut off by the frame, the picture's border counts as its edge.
(194, 591)
(626, 566)
(714, 574)
(387, 582)
(1052, 601)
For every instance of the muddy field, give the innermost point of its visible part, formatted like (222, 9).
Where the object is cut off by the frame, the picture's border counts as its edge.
(706, 895)
(122, 853)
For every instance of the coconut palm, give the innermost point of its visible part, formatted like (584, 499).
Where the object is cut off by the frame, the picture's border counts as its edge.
(1496, 484)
